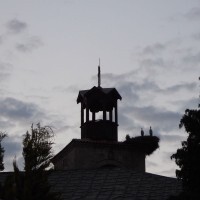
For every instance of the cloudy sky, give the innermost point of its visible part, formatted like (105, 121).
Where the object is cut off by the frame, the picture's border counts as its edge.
(49, 50)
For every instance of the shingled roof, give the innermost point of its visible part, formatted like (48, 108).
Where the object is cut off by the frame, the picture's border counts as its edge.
(112, 183)
(98, 90)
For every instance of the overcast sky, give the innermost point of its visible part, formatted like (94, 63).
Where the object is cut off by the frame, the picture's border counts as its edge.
(49, 50)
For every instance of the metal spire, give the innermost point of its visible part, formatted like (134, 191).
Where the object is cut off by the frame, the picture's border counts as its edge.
(150, 131)
(99, 75)
(142, 132)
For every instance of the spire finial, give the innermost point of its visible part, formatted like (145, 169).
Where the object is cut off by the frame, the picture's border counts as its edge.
(150, 131)
(99, 75)
(142, 132)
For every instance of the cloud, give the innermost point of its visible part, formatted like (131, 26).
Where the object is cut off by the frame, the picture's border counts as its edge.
(128, 91)
(172, 137)
(134, 90)
(192, 58)
(29, 45)
(196, 36)
(139, 108)
(193, 14)
(134, 87)
(64, 128)
(126, 122)
(191, 103)
(152, 164)
(1, 39)
(12, 146)
(129, 82)
(21, 42)
(5, 70)
(16, 26)
(69, 89)
(153, 49)
(15, 110)
(178, 87)
(167, 58)
(152, 62)
(169, 172)
(161, 119)
(113, 79)
(5, 124)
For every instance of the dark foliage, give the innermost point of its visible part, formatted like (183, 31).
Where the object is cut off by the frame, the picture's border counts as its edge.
(2, 136)
(13, 185)
(37, 148)
(146, 144)
(32, 184)
(188, 157)
(8, 191)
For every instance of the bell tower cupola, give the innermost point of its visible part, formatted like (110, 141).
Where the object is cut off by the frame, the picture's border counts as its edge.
(96, 102)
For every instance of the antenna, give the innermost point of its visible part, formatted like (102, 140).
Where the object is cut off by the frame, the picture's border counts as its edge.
(99, 75)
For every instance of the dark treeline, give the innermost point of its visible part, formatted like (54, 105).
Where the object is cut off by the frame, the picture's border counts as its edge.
(188, 157)
(31, 183)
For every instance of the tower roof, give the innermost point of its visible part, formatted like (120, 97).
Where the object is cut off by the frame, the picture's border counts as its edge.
(111, 93)
(97, 98)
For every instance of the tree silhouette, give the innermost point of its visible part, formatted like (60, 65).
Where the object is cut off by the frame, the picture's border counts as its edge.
(2, 136)
(32, 184)
(37, 148)
(37, 153)
(188, 157)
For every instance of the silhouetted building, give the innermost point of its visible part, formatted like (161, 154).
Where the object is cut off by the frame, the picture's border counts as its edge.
(99, 146)
(97, 166)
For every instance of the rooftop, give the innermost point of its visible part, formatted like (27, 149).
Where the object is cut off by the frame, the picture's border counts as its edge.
(112, 183)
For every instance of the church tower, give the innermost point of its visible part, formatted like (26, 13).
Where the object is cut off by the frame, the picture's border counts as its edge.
(99, 145)
(104, 102)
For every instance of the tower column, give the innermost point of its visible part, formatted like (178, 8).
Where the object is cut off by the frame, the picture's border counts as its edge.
(116, 116)
(87, 114)
(110, 115)
(93, 116)
(104, 113)
(82, 114)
